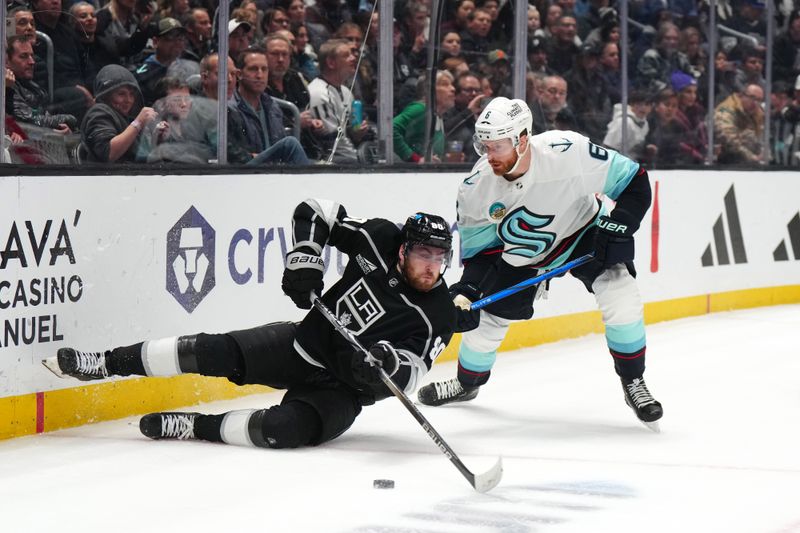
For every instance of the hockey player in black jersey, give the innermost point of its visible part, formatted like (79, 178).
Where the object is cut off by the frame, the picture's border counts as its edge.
(391, 295)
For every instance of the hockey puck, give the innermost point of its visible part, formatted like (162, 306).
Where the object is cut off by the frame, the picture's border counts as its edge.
(383, 484)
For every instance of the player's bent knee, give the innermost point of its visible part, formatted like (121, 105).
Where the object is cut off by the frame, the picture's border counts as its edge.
(336, 409)
(289, 425)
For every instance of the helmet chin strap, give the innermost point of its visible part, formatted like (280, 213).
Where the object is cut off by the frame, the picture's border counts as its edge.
(519, 158)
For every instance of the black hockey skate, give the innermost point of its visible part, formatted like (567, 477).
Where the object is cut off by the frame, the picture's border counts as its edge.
(638, 398)
(168, 425)
(442, 392)
(85, 366)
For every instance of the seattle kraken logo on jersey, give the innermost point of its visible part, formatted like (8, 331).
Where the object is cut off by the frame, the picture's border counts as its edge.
(520, 229)
(362, 305)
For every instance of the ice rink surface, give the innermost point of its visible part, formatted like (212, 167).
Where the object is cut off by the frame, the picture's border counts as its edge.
(575, 458)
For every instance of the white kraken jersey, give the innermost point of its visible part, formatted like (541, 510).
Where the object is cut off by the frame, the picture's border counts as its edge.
(538, 218)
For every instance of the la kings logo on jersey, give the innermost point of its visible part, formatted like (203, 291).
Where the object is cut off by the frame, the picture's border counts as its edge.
(362, 305)
(365, 265)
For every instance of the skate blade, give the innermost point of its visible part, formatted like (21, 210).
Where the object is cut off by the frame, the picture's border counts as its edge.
(51, 364)
(652, 426)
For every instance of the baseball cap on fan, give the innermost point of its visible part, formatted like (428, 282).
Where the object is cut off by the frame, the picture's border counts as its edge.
(236, 23)
(168, 24)
(496, 55)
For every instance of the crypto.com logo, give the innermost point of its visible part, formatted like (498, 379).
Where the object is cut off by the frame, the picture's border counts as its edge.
(190, 259)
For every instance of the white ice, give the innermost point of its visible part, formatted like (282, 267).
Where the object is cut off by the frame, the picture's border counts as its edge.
(575, 458)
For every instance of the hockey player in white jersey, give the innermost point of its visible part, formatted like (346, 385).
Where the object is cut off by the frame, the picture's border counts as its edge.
(531, 204)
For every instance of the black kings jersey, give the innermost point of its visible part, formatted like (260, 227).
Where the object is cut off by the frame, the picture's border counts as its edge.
(371, 298)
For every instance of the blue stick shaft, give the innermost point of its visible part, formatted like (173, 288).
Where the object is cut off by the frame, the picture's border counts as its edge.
(499, 295)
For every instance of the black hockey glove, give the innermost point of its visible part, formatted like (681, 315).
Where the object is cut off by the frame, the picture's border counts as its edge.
(463, 294)
(367, 373)
(613, 242)
(302, 276)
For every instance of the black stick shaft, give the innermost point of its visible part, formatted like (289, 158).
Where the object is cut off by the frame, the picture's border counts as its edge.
(429, 429)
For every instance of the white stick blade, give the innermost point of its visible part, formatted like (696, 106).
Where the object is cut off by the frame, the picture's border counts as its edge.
(489, 479)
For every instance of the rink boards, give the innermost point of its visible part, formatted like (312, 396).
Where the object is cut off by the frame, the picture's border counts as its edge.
(100, 261)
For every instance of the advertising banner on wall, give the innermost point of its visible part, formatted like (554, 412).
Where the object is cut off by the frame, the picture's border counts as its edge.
(97, 262)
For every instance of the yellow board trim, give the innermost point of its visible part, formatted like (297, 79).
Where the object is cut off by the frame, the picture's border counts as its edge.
(119, 399)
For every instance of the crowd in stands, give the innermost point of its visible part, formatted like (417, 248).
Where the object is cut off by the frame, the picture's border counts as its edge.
(136, 80)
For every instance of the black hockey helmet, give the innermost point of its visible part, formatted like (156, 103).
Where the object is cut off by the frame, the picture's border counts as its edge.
(430, 230)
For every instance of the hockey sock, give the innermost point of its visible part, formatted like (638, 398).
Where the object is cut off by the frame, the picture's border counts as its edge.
(289, 425)
(207, 427)
(126, 361)
(470, 379)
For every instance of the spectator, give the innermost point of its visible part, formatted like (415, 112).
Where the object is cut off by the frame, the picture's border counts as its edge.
(458, 20)
(791, 114)
(561, 47)
(181, 135)
(109, 132)
(69, 93)
(739, 126)
(750, 69)
(169, 43)
(501, 23)
(450, 45)
(749, 18)
(330, 14)
(238, 37)
(288, 84)
(610, 71)
(29, 100)
(331, 100)
(598, 24)
(691, 45)
(409, 125)
(91, 57)
(304, 58)
(455, 65)
(459, 121)
(657, 64)
(553, 13)
(786, 51)
(351, 32)
(274, 19)
(665, 133)
(691, 116)
(255, 34)
(198, 34)
(537, 56)
(498, 70)
(550, 112)
(255, 123)
(533, 87)
(724, 76)
(317, 33)
(474, 40)
(176, 9)
(640, 105)
(534, 22)
(24, 23)
(209, 76)
(782, 131)
(413, 36)
(123, 29)
(589, 97)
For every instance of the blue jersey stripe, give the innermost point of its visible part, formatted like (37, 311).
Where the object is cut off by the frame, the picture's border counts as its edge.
(620, 173)
(476, 239)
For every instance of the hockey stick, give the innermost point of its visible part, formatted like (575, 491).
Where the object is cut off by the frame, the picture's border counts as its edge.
(481, 482)
(499, 295)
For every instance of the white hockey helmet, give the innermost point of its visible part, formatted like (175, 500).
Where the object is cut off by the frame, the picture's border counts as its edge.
(502, 119)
